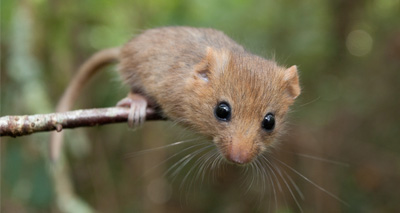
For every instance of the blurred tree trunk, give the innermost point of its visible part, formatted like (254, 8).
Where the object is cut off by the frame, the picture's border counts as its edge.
(26, 70)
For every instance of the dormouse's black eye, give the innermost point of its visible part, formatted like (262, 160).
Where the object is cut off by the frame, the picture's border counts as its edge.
(269, 122)
(223, 111)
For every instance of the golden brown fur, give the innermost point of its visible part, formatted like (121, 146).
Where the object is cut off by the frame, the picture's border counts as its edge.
(188, 71)
(166, 65)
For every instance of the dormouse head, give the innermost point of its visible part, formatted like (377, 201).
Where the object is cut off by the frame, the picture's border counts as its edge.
(241, 101)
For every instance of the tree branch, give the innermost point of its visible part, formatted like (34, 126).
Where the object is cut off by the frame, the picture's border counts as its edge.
(15, 126)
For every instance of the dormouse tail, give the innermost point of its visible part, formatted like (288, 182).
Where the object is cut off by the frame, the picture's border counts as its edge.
(85, 72)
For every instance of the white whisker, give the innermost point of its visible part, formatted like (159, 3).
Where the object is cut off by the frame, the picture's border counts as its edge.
(193, 167)
(311, 182)
(323, 159)
(273, 173)
(287, 185)
(295, 185)
(273, 188)
(275, 179)
(188, 159)
(312, 101)
(183, 164)
(262, 175)
(210, 161)
(182, 159)
(203, 167)
(159, 148)
(169, 158)
(200, 165)
(252, 178)
(214, 164)
(220, 161)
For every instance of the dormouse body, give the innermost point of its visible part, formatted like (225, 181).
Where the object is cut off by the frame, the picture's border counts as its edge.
(205, 81)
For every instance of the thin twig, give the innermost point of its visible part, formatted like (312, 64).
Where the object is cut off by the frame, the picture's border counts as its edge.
(21, 125)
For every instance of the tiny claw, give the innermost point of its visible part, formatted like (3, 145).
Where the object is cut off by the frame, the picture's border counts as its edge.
(137, 113)
(126, 102)
(59, 127)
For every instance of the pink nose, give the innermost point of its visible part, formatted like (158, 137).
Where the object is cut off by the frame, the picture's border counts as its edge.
(239, 154)
(239, 159)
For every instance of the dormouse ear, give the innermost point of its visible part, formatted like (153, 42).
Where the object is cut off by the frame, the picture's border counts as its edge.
(218, 59)
(214, 61)
(202, 69)
(203, 74)
(292, 81)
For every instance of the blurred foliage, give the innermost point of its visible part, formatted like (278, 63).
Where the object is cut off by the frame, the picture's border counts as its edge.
(348, 53)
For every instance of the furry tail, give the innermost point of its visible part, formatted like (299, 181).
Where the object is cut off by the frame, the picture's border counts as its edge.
(85, 72)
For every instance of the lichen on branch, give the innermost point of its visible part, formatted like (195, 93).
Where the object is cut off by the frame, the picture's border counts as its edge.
(21, 125)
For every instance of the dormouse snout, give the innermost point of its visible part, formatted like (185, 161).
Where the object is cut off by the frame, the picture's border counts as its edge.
(240, 151)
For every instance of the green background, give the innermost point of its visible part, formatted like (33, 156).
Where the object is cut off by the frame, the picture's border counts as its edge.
(348, 54)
